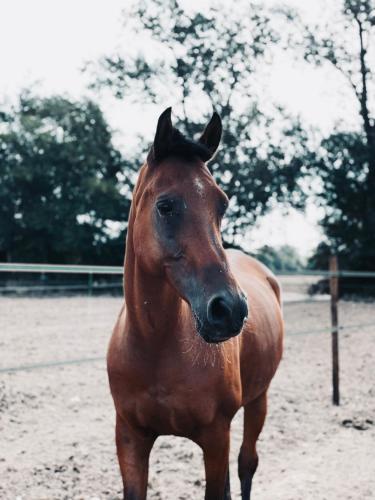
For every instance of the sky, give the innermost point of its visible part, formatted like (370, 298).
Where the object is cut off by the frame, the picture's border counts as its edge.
(44, 44)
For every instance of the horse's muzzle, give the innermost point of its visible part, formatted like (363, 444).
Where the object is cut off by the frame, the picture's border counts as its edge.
(224, 317)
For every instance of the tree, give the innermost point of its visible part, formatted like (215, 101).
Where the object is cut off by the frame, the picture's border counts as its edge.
(345, 161)
(283, 258)
(61, 184)
(209, 60)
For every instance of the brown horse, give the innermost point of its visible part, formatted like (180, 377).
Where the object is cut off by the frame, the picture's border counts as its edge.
(176, 362)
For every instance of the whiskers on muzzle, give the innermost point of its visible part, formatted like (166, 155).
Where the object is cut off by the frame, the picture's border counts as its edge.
(203, 353)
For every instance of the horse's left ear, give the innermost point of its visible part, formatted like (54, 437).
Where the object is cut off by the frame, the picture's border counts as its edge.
(212, 134)
(163, 136)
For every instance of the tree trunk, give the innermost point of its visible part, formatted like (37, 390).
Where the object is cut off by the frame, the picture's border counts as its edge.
(369, 129)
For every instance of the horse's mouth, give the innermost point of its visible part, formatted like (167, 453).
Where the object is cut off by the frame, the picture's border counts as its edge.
(212, 336)
(215, 340)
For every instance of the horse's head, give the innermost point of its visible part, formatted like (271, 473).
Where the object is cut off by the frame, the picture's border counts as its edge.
(176, 228)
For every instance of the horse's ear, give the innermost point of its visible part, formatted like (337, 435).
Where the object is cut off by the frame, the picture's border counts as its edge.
(212, 134)
(163, 136)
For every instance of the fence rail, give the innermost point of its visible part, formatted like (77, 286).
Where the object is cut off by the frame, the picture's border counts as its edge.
(59, 268)
(81, 269)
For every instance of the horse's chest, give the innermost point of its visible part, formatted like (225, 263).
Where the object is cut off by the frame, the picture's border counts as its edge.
(177, 410)
(180, 404)
(171, 395)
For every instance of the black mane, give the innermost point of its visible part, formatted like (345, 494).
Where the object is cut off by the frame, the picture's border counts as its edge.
(181, 147)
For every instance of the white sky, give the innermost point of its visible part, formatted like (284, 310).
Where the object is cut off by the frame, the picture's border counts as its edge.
(47, 42)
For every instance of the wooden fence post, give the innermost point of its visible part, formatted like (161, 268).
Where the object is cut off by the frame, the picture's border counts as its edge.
(333, 286)
(90, 283)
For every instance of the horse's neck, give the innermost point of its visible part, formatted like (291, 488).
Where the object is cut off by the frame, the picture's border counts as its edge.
(154, 310)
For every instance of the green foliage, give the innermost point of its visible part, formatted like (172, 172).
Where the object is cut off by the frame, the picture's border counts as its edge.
(283, 258)
(343, 166)
(60, 181)
(364, 10)
(211, 58)
(345, 161)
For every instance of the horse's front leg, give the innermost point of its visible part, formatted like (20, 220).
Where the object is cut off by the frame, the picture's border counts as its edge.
(215, 444)
(133, 451)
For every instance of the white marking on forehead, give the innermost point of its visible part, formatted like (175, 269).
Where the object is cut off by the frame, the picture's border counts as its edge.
(199, 186)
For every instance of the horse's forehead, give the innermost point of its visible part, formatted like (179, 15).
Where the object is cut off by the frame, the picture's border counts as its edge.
(186, 179)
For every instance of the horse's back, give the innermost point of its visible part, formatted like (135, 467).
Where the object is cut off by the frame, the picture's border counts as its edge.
(262, 337)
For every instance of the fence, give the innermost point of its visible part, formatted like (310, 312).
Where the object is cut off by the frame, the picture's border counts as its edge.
(109, 278)
(19, 287)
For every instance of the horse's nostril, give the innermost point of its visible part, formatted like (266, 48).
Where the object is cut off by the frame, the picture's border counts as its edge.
(218, 311)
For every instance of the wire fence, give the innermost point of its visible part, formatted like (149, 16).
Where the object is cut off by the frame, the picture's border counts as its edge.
(29, 279)
(93, 359)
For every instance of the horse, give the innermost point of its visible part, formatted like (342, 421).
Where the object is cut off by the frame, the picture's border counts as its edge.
(200, 334)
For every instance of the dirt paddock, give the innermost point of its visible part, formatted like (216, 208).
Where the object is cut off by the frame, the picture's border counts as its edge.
(57, 423)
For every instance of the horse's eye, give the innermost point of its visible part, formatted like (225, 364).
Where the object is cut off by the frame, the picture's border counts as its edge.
(165, 208)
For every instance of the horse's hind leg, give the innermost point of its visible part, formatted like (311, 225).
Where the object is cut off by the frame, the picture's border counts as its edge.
(254, 416)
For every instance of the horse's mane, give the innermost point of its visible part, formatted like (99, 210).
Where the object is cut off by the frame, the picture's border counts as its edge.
(181, 147)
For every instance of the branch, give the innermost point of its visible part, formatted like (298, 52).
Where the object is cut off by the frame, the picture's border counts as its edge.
(347, 75)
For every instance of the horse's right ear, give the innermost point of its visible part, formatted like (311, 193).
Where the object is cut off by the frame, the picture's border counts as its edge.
(212, 134)
(163, 136)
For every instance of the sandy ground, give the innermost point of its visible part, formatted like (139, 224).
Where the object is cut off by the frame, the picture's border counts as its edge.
(57, 423)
